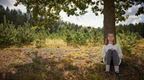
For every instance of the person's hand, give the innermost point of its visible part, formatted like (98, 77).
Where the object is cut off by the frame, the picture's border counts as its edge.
(103, 61)
(121, 57)
(120, 61)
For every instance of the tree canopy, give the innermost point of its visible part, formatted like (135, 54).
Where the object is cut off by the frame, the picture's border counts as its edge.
(50, 9)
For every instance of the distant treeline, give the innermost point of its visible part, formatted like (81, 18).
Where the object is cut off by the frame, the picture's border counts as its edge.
(13, 16)
(137, 28)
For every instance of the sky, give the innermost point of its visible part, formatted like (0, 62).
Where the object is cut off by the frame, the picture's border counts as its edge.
(88, 19)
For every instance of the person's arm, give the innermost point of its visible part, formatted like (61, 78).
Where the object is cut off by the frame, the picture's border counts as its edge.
(103, 53)
(120, 52)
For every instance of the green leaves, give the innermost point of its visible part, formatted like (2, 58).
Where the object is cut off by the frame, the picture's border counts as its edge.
(12, 35)
(140, 11)
(127, 40)
(97, 6)
(77, 38)
(50, 9)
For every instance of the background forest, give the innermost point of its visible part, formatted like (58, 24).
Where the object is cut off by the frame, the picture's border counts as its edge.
(18, 28)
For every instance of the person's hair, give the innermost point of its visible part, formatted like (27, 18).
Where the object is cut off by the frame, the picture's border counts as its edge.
(106, 39)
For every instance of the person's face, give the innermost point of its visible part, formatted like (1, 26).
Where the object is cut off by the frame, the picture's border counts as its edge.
(110, 37)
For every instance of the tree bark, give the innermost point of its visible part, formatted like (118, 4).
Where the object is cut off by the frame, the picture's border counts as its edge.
(109, 18)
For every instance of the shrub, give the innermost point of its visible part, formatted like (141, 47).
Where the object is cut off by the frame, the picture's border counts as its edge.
(8, 34)
(76, 39)
(97, 38)
(127, 40)
(69, 39)
(17, 35)
(25, 34)
(79, 38)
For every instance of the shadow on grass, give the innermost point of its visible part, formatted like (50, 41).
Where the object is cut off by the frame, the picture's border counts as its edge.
(49, 69)
(132, 67)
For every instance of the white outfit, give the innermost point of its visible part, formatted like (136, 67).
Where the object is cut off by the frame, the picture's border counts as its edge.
(113, 47)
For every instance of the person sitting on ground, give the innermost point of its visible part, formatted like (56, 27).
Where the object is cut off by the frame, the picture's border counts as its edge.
(111, 53)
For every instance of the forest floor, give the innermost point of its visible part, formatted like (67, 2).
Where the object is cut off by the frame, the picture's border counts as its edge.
(69, 63)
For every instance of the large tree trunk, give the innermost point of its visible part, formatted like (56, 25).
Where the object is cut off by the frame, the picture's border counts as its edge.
(109, 17)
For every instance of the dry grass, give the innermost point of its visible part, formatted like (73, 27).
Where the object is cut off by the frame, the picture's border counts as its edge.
(55, 43)
(57, 61)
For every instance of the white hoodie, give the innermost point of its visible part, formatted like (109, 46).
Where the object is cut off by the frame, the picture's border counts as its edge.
(113, 47)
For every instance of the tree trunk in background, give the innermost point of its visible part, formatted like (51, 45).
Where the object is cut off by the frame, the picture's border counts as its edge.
(109, 17)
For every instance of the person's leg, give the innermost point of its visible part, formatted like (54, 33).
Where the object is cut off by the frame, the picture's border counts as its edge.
(116, 61)
(107, 68)
(108, 60)
(116, 69)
